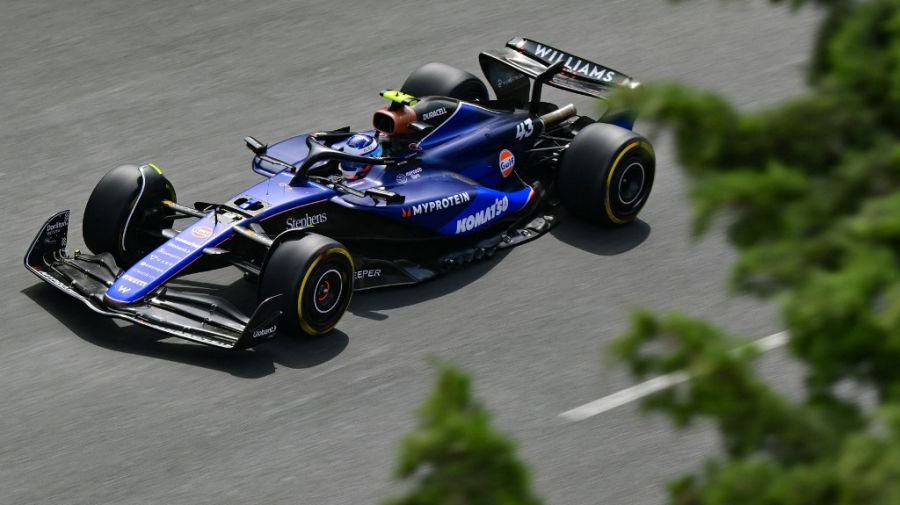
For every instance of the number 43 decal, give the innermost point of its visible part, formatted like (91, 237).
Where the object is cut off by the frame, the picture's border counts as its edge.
(524, 129)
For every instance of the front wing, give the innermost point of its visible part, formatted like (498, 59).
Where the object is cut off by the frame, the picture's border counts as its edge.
(201, 318)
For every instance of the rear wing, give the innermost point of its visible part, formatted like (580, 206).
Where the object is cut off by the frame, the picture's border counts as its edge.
(508, 70)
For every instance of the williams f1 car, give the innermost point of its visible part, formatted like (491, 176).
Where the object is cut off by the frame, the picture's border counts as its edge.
(459, 176)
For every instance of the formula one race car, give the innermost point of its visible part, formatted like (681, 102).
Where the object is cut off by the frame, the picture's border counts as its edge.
(454, 177)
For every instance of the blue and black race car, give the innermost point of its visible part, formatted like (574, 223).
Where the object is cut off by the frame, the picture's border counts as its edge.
(451, 176)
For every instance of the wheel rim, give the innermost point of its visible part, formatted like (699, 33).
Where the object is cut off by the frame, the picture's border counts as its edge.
(325, 291)
(632, 183)
(328, 290)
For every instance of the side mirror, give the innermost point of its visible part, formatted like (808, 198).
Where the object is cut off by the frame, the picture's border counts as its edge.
(256, 146)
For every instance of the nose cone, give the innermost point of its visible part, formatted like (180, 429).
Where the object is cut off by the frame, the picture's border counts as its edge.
(166, 261)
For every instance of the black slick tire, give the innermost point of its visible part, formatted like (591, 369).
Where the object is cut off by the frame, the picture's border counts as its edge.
(606, 174)
(314, 275)
(438, 79)
(125, 201)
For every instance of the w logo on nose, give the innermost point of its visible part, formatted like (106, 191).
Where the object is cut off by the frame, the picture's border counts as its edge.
(405, 212)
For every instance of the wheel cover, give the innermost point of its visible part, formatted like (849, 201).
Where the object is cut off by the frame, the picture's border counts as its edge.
(328, 291)
(632, 183)
(326, 312)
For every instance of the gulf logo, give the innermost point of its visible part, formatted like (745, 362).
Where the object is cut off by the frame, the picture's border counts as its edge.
(201, 231)
(507, 162)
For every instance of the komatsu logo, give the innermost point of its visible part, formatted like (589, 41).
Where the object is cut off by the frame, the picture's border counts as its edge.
(585, 68)
(307, 221)
(483, 216)
(429, 207)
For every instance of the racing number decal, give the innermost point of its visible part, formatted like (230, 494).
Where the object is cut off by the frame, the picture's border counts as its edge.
(524, 129)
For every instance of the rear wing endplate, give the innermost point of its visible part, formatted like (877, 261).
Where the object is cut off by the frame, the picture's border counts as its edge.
(508, 70)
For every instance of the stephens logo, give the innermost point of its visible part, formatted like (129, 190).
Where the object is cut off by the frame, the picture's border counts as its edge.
(483, 216)
(429, 207)
(202, 232)
(307, 221)
(507, 162)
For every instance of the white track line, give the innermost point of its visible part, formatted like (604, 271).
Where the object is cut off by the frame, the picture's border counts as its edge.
(655, 385)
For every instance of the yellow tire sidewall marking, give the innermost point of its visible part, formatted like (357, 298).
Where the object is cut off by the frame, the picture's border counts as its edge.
(303, 324)
(609, 213)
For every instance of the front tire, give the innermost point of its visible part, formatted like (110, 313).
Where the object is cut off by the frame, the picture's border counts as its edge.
(124, 215)
(314, 275)
(606, 174)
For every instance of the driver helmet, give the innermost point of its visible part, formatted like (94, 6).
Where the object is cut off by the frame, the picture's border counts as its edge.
(359, 144)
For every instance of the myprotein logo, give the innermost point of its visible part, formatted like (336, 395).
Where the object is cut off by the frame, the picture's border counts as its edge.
(590, 70)
(507, 162)
(307, 221)
(483, 216)
(429, 207)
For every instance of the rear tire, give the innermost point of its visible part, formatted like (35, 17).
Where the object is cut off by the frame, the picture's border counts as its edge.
(126, 201)
(438, 79)
(606, 174)
(314, 275)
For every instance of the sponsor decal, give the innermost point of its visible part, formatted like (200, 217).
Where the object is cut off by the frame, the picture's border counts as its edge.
(507, 162)
(368, 273)
(123, 289)
(201, 231)
(307, 221)
(285, 186)
(179, 248)
(158, 270)
(502, 82)
(187, 242)
(440, 111)
(447, 202)
(524, 129)
(483, 216)
(575, 65)
(409, 176)
(54, 228)
(265, 332)
(166, 253)
(134, 280)
(158, 259)
(142, 273)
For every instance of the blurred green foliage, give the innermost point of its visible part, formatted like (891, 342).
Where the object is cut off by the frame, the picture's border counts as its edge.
(809, 192)
(455, 457)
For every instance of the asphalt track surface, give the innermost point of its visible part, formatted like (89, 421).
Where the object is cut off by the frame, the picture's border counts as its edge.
(96, 412)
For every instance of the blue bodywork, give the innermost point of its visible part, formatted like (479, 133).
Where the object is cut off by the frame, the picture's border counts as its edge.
(462, 183)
